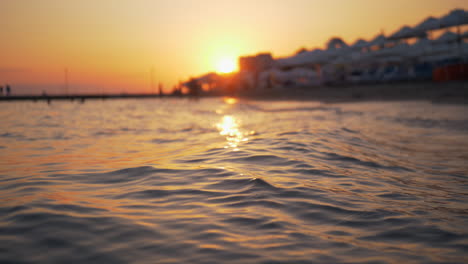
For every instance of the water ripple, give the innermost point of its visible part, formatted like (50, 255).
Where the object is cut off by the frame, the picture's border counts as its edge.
(301, 182)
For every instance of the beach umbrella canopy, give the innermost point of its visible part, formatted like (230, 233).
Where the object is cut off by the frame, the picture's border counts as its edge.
(289, 61)
(407, 32)
(457, 17)
(309, 57)
(430, 23)
(378, 40)
(360, 43)
(419, 48)
(446, 38)
(324, 56)
(336, 43)
(397, 50)
(423, 43)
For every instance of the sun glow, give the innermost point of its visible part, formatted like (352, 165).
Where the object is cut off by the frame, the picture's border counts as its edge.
(226, 65)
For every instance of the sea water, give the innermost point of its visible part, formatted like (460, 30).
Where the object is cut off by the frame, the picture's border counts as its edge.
(224, 180)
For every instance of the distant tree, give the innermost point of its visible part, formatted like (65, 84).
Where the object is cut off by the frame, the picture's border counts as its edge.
(336, 43)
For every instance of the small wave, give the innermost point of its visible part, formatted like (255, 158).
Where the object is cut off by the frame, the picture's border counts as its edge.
(316, 184)
(161, 193)
(315, 172)
(300, 109)
(459, 125)
(370, 164)
(271, 160)
(430, 235)
(165, 140)
(12, 135)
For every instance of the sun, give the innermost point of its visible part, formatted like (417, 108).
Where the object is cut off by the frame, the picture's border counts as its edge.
(226, 65)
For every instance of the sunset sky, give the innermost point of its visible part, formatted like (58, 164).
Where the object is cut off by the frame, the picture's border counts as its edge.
(112, 45)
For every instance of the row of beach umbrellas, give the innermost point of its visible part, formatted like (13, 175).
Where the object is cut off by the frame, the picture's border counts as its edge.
(422, 47)
(456, 17)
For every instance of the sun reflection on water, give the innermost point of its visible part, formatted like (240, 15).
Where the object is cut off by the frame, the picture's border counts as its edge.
(230, 100)
(229, 127)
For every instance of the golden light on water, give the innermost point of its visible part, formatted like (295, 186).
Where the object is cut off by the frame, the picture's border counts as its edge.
(229, 127)
(230, 100)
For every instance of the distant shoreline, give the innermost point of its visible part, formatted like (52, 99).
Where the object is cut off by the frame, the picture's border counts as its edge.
(77, 97)
(447, 92)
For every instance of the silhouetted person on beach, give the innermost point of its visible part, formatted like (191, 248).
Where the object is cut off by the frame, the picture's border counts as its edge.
(8, 89)
(161, 93)
(1, 90)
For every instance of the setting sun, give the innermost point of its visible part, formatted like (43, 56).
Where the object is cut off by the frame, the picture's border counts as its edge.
(226, 65)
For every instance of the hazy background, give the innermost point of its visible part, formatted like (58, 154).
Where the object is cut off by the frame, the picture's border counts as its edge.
(113, 45)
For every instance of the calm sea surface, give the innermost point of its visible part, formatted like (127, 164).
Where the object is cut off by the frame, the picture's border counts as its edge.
(233, 181)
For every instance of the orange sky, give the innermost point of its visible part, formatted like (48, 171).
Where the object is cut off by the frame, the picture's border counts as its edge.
(111, 45)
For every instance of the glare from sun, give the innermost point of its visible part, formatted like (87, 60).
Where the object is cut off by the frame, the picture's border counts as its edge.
(226, 65)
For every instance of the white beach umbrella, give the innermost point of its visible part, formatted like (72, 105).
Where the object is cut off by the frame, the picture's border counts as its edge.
(379, 40)
(446, 38)
(420, 48)
(318, 57)
(312, 56)
(421, 43)
(407, 32)
(309, 57)
(359, 44)
(457, 17)
(430, 23)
